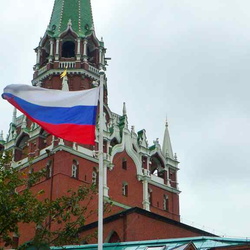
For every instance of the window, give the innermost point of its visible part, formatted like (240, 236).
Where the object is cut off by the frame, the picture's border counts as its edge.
(68, 49)
(124, 164)
(125, 189)
(30, 180)
(150, 196)
(94, 177)
(49, 170)
(114, 238)
(165, 202)
(74, 171)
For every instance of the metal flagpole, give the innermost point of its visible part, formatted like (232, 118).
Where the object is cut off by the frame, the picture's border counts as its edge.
(100, 196)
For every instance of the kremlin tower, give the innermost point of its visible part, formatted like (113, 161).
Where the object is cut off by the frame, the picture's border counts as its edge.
(140, 180)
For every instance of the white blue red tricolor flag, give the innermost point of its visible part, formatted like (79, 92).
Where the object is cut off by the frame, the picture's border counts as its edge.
(70, 115)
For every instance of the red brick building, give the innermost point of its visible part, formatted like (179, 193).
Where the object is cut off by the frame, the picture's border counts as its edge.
(139, 179)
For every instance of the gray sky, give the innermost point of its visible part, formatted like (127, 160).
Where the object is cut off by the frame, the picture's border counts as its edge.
(187, 59)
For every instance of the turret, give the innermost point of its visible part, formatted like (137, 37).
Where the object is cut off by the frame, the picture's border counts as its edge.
(167, 147)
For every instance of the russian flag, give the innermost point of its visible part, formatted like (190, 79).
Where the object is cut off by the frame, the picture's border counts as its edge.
(70, 115)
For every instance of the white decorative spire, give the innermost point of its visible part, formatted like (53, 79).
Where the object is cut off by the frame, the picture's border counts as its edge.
(167, 147)
(14, 116)
(24, 123)
(124, 110)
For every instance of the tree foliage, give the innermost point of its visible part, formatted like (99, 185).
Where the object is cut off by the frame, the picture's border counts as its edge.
(56, 221)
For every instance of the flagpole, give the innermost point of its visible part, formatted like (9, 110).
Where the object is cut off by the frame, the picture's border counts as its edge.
(100, 196)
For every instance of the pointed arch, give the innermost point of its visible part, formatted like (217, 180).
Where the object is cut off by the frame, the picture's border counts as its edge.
(112, 237)
(156, 164)
(21, 150)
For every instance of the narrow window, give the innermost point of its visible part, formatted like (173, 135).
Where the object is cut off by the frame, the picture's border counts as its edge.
(124, 164)
(74, 171)
(94, 177)
(49, 170)
(125, 189)
(150, 196)
(30, 179)
(165, 202)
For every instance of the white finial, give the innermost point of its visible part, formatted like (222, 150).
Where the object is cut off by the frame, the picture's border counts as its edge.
(14, 116)
(166, 121)
(133, 129)
(175, 156)
(124, 110)
(156, 142)
(24, 122)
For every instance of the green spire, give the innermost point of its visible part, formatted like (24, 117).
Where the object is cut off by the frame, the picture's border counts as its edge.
(74, 13)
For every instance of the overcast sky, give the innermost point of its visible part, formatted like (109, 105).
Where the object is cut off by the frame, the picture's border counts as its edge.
(188, 60)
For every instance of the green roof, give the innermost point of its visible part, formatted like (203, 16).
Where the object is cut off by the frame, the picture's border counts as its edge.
(76, 12)
(169, 244)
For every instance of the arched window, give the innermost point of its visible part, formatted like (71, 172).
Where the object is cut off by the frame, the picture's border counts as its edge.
(113, 238)
(95, 176)
(125, 189)
(165, 202)
(156, 166)
(22, 148)
(74, 171)
(113, 142)
(68, 49)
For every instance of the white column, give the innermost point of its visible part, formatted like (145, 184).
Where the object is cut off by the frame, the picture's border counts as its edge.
(57, 49)
(146, 204)
(51, 49)
(100, 55)
(78, 55)
(103, 57)
(38, 55)
(85, 42)
(105, 187)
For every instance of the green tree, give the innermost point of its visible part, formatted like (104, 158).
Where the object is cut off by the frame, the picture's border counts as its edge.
(57, 221)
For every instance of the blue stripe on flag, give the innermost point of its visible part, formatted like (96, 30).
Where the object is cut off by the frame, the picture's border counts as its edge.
(80, 115)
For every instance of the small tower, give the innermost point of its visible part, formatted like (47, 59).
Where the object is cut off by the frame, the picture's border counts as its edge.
(167, 147)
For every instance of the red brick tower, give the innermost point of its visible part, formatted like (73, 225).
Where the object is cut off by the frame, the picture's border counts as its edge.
(135, 174)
